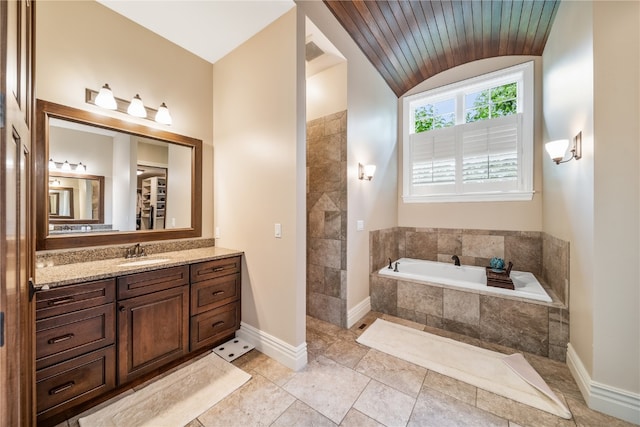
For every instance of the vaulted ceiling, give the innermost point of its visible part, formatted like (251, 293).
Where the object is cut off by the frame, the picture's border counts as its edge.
(410, 41)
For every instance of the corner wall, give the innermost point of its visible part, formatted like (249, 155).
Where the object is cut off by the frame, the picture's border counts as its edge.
(260, 181)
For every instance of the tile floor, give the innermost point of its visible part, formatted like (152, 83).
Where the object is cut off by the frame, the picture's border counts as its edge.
(347, 384)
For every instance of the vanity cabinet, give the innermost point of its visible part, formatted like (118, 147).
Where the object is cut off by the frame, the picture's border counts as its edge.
(75, 345)
(153, 320)
(215, 301)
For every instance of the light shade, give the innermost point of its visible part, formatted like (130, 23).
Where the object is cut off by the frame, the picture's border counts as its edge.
(557, 149)
(163, 116)
(105, 98)
(65, 166)
(366, 171)
(136, 108)
(52, 165)
(81, 167)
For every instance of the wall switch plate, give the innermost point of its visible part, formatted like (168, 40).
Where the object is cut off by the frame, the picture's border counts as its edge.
(359, 225)
(217, 233)
(278, 230)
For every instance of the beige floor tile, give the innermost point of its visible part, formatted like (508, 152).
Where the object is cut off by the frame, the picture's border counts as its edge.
(327, 387)
(259, 402)
(556, 374)
(355, 418)
(385, 404)
(271, 369)
(299, 414)
(589, 418)
(194, 423)
(451, 387)
(399, 374)
(439, 410)
(346, 353)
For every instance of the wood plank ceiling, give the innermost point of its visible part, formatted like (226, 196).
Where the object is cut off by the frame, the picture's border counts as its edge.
(410, 41)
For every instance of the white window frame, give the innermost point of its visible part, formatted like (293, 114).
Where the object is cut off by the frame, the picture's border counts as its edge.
(459, 192)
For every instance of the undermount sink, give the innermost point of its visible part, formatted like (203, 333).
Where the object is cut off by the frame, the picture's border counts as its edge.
(143, 262)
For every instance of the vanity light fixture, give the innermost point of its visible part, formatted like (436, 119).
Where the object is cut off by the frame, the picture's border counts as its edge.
(67, 167)
(55, 183)
(134, 108)
(105, 98)
(163, 116)
(557, 149)
(366, 171)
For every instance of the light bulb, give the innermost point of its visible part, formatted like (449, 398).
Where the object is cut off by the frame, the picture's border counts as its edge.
(105, 98)
(136, 108)
(163, 116)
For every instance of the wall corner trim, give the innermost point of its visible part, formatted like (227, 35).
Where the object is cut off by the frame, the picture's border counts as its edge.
(292, 357)
(602, 397)
(358, 312)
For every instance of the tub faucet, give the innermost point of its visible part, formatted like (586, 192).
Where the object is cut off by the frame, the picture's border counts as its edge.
(396, 267)
(390, 266)
(456, 260)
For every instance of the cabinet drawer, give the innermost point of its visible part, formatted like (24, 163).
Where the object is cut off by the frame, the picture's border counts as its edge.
(74, 381)
(209, 327)
(62, 337)
(70, 298)
(214, 293)
(152, 281)
(212, 269)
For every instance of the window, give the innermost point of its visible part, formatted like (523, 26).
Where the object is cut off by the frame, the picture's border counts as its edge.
(471, 140)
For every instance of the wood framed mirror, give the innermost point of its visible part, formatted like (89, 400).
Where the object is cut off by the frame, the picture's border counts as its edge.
(109, 166)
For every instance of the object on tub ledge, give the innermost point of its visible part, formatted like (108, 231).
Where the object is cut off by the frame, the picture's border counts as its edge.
(500, 279)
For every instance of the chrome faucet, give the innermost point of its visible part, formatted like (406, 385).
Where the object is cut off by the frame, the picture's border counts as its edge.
(390, 266)
(396, 267)
(456, 260)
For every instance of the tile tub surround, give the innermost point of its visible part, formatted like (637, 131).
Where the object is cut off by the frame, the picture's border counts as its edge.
(536, 327)
(327, 218)
(97, 253)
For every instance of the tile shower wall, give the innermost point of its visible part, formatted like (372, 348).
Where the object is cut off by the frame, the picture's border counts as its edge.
(327, 218)
(538, 328)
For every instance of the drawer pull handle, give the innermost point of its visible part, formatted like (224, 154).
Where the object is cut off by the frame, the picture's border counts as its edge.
(216, 293)
(60, 339)
(218, 323)
(60, 301)
(62, 388)
(217, 269)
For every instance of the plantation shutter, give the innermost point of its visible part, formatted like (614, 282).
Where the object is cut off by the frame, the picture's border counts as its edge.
(433, 157)
(490, 150)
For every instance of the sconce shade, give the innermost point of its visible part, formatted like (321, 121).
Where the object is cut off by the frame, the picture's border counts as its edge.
(52, 165)
(105, 98)
(66, 166)
(81, 167)
(163, 116)
(136, 108)
(366, 171)
(556, 149)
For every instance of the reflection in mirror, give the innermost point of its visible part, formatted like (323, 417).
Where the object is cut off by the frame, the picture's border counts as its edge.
(112, 178)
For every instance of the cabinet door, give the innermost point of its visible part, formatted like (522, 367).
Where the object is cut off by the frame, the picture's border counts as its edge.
(153, 330)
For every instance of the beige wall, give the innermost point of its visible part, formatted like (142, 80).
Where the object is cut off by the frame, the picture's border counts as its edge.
(260, 174)
(327, 92)
(592, 84)
(568, 188)
(517, 215)
(371, 138)
(82, 44)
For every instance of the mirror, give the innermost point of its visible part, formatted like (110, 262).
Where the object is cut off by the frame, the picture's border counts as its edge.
(101, 180)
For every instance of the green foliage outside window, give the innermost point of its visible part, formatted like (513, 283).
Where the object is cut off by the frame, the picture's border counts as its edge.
(427, 117)
(491, 103)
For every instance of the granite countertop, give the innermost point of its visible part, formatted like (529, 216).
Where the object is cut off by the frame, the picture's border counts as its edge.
(68, 274)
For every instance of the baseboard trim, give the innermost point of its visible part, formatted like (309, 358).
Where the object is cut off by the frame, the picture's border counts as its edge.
(292, 357)
(602, 397)
(358, 312)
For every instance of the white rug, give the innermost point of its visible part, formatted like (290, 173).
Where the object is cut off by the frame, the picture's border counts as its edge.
(508, 376)
(174, 400)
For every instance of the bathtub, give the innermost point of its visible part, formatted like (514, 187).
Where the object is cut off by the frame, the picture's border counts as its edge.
(466, 277)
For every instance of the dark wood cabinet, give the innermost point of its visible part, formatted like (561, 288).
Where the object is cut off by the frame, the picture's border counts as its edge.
(215, 301)
(153, 330)
(95, 338)
(75, 345)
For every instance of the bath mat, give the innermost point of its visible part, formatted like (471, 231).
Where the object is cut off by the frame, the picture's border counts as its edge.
(174, 400)
(508, 376)
(233, 349)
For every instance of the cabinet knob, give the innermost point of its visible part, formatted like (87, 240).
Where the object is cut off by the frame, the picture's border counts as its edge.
(122, 309)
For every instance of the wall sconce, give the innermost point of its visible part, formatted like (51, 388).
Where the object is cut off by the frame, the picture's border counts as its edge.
(55, 183)
(105, 99)
(67, 167)
(557, 149)
(366, 171)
